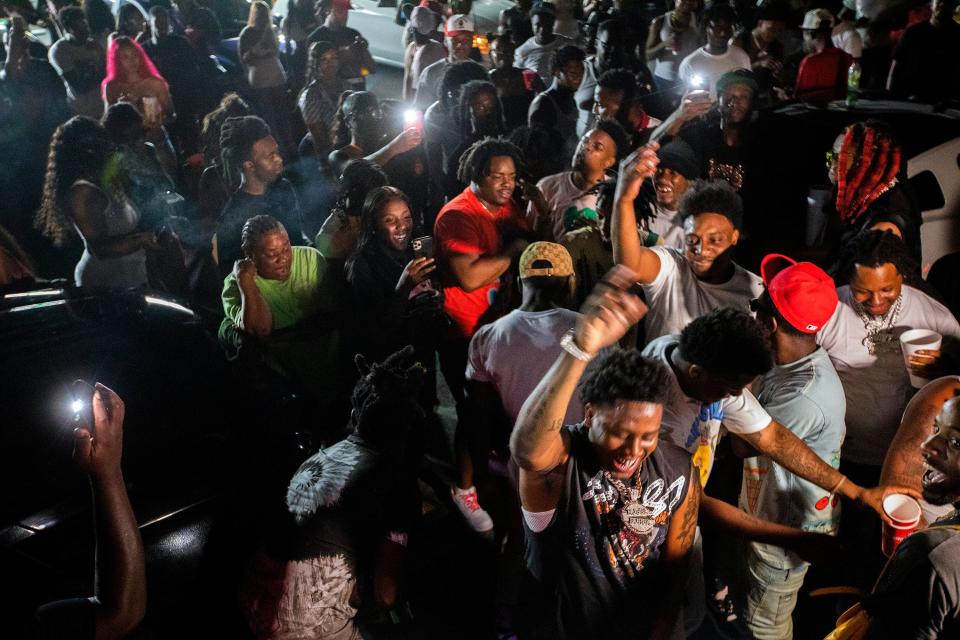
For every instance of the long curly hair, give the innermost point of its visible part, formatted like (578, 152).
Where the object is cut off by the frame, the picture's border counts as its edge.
(875, 165)
(147, 68)
(79, 149)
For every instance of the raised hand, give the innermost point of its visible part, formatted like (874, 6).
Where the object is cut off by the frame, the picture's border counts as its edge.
(609, 312)
(634, 169)
(406, 140)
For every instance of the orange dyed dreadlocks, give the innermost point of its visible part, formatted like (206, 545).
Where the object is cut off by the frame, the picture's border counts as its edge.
(876, 163)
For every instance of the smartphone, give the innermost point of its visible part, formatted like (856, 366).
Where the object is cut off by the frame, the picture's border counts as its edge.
(81, 404)
(413, 118)
(423, 247)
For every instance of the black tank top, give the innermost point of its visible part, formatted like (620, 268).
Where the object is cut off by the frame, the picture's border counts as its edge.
(602, 576)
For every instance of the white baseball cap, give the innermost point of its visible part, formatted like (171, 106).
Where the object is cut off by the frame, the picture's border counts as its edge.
(459, 23)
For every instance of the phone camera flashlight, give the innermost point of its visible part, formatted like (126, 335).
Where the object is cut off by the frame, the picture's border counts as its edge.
(76, 406)
(696, 81)
(410, 116)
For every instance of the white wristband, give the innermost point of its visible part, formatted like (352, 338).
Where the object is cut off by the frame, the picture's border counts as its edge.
(568, 344)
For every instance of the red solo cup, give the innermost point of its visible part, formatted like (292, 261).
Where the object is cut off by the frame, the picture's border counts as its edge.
(905, 513)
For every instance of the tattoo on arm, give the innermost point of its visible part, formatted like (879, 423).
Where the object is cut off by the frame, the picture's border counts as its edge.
(688, 524)
(793, 454)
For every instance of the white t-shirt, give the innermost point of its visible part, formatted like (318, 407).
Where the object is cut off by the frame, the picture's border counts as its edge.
(878, 387)
(585, 93)
(710, 67)
(539, 57)
(846, 37)
(515, 352)
(567, 202)
(669, 226)
(65, 56)
(677, 297)
(690, 424)
(429, 82)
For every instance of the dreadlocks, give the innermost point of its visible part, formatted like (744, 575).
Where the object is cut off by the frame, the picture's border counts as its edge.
(237, 137)
(492, 124)
(872, 249)
(384, 395)
(874, 157)
(475, 161)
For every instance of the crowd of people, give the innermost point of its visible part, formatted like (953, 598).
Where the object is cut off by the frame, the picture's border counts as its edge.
(667, 404)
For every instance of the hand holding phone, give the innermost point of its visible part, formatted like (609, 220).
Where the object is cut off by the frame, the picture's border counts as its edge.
(98, 453)
(413, 118)
(422, 247)
(81, 404)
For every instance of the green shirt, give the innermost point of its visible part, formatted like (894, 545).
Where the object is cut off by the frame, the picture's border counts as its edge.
(308, 290)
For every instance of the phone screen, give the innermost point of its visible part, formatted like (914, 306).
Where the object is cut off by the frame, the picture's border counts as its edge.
(413, 118)
(81, 404)
(423, 247)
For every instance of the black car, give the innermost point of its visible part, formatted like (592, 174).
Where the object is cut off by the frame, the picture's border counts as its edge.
(190, 469)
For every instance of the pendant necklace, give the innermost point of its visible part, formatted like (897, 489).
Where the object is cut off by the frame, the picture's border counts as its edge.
(880, 338)
(633, 514)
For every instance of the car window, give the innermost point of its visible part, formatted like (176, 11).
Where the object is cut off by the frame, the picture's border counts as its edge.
(928, 190)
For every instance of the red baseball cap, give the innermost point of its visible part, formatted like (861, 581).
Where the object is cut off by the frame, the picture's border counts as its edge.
(802, 292)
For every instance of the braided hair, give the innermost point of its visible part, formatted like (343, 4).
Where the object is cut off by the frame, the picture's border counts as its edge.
(475, 161)
(872, 249)
(385, 395)
(463, 116)
(237, 137)
(874, 170)
(254, 229)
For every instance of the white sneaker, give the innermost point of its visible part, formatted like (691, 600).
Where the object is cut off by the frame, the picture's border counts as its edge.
(466, 501)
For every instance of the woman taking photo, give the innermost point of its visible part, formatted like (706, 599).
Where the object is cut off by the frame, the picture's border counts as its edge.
(78, 200)
(395, 303)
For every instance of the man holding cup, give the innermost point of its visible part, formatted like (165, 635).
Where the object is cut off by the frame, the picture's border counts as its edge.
(862, 339)
(917, 595)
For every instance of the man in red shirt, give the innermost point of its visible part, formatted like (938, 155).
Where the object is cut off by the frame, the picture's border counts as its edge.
(477, 235)
(823, 73)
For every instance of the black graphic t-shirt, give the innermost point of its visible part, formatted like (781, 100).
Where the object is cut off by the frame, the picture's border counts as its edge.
(603, 575)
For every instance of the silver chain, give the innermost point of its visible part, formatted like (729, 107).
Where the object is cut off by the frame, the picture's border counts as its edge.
(877, 327)
(625, 493)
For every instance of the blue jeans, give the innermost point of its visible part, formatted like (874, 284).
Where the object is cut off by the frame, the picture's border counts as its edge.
(770, 596)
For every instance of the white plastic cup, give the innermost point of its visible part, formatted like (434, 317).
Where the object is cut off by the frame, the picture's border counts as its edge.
(914, 340)
(905, 513)
(151, 110)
